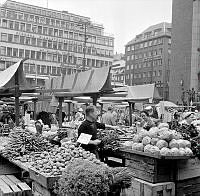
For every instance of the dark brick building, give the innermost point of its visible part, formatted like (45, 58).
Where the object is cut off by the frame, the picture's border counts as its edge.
(148, 58)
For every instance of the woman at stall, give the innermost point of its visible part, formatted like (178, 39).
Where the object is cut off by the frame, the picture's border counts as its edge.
(146, 121)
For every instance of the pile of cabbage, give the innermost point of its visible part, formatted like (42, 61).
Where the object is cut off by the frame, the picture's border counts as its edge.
(161, 141)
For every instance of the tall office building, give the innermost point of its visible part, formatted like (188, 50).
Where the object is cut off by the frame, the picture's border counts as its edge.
(54, 41)
(185, 70)
(148, 58)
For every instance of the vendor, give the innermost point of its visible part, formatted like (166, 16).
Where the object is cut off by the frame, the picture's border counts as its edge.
(146, 121)
(186, 127)
(79, 115)
(38, 126)
(90, 126)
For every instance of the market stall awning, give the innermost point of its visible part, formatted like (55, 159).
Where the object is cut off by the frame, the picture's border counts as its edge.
(7, 77)
(138, 93)
(85, 83)
(143, 93)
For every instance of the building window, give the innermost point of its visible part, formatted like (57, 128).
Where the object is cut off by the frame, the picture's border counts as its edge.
(44, 55)
(22, 26)
(21, 53)
(28, 27)
(3, 37)
(55, 57)
(34, 28)
(38, 55)
(53, 70)
(32, 54)
(39, 42)
(28, 41)
(49, 44)
(4, 23)
(128, 58)
(27, 53)
(60, 33)
(3, 50)
(59, 45)
(16, 38)
(33, 41)
(54, 45)
(49, 57)
(15, 52)
(40, 29)
(51, 31)
(32, 68)
(44, 43)
(17, 26)
(45, 30)
(11, 24)
(56, 32)
(128, 48)
(10, 37)
(9, 51)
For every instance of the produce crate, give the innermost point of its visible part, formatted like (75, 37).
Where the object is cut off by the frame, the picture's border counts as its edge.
(143, 188)
(189, 187)
(47, 182)
(6, 167)
(39, 190)
(150, 169)
(187, 169)
(11, 186)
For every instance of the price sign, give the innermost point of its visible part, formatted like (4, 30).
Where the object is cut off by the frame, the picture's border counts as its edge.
(84, 138)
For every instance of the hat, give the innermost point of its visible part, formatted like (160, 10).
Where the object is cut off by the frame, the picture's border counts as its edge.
(187, 114)
(80, 110)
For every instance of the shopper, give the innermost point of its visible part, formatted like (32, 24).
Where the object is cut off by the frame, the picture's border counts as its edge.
(90, 126)
(108, 118)
(146, 121)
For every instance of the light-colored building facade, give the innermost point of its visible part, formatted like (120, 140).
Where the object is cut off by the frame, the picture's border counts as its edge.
(118, 71)
(185, 69)
(54, 42)
(148, 58)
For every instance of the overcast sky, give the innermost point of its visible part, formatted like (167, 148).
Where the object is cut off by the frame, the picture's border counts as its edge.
(122, 18)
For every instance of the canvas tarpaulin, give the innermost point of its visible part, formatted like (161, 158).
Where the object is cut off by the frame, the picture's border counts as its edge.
(7, 77)
(138, 93)
(92, 81)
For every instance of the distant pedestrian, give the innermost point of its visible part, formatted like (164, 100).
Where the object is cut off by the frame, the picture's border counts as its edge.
(108, 117)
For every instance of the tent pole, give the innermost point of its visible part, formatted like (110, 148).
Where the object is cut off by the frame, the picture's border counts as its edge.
(69, 111)
(34, 108)
(94, 99)
(17, 95)
(101, 109)
(60, 100)
(130, 113)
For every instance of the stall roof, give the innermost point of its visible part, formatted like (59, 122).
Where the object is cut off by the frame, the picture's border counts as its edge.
(83, 83)
(138, 93)
(7, 77)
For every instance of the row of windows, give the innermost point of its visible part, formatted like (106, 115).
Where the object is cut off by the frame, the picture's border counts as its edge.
(38, 11)
(145, 75)
(52, 57)
(49, 31)
(44, 43)
(118, 78)
(145, 54)
(146, 44)
(154, 63)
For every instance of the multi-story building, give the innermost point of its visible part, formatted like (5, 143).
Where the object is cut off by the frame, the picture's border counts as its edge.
(118, 72)
(185, 69)
(54, 41)
(148, 58)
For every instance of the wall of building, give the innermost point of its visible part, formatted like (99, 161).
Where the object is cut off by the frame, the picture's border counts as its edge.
(180, 69)
(147, 60)
(53, 41)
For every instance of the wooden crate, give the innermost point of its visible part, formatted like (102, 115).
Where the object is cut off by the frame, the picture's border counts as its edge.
(39, 190)
(47, 182)
(11, 186)
(151, 169)
(6, 167)
(187, 169)
(143, 188)
(188, 187)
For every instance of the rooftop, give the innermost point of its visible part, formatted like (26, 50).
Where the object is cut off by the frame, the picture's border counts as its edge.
(160, 29)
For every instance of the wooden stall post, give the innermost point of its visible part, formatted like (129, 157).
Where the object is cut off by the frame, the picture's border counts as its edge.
(94, 99)
(101, 109)
(34, 108)
(60, 101)
(17, 95)
(130, 113)
(69, 104)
